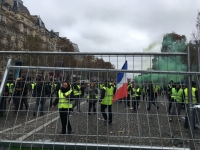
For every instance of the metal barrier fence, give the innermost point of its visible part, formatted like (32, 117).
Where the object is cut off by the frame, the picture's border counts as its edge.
(38, 125)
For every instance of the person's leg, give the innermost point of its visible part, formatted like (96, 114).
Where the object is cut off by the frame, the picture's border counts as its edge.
(94, 107)
(134, 104)
(169, 106)
(173, 109)
(156, 95)
(25, 102)
(17, 101)
(2, 107)
(179, 105)
(63, 118)
(109, 113)
(75, 103)
(90, 106)
(37, 103)
(42, 103)
(149, 103)
(128, 100)
(103, 107)
(78, 104)
(69, 127)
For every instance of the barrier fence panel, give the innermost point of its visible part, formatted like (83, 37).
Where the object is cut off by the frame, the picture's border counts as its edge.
(148, 118)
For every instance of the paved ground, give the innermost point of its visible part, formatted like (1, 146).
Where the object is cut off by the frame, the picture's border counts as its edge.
(145, 128)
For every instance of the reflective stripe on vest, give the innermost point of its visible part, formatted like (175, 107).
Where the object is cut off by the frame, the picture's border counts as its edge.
(169, 87)
(63, 101)
(77, 92)
(33, 85)
(130, 85)
(194, 100)
(156, 88)
(177, 95)
(135, 92)
(107, 100)
(10, 87)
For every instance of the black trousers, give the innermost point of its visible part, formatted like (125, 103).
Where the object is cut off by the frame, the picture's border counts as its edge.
(156, 95)
(77, 103)
(19, 101)
(104, 114)
(170, 104)
(2, 106)
(135, 103)
(127, 101)
(64, 117)
(151, 101)
(92, 105)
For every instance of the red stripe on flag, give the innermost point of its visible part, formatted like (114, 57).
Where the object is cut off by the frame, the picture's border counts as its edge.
(122, 92)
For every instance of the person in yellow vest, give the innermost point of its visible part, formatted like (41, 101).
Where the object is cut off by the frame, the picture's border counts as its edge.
(176, 99)
(128, 98)
(135, 92)
(156, 91)
(107, 94)
(195, 101)
(92, 96)
(3, 101)
(32, 88)
(151, 98)
(64, 97)
(10, 86)
(169, 92)
(77, 94)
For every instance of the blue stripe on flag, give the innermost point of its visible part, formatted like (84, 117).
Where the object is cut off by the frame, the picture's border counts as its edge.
(121, 74)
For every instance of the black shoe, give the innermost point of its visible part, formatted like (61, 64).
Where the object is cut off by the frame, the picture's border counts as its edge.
(34, 114)
(110, 122)
(41, 114)
(148, 109)
(89, 114)
(62, 132)
(105, 122)
(69, 132)
(157, 107)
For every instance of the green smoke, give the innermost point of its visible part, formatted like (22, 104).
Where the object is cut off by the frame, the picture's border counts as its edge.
(171, 43)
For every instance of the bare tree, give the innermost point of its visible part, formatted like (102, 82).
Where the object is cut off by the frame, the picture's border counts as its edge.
(196, 32)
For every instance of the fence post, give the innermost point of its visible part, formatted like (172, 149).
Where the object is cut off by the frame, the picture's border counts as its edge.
(3, 83)
(198, 68)
(190, 107)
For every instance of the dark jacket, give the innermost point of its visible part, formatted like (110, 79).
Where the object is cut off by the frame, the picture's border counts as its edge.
(41, 89)
(21, 89)
(92, 92)
(150, 91)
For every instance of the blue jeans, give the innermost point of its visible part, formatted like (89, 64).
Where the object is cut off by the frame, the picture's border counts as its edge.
(40, 101)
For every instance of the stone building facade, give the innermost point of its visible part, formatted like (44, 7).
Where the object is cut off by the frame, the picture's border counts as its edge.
(17, 22)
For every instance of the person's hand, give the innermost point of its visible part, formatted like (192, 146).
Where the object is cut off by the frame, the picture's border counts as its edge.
(52, 107)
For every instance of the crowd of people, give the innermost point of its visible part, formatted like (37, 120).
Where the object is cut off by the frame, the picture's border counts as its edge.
(67, 96)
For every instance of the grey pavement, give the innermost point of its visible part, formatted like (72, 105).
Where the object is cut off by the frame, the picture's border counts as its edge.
(144, 128)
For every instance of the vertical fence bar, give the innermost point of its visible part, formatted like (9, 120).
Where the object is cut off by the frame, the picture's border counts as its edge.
(3, 83)
(190, 114)
(198, 68)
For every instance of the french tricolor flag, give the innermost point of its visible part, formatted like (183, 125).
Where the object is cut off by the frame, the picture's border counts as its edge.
(122, 84)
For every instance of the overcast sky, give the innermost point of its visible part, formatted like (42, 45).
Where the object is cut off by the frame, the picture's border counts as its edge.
(117, 25)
